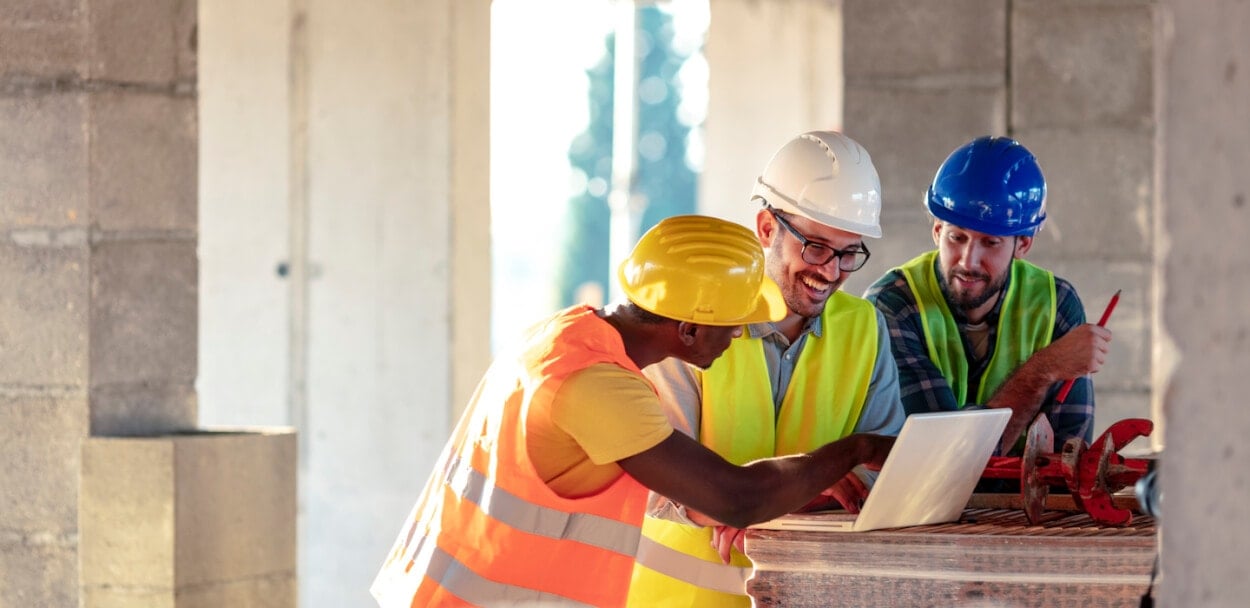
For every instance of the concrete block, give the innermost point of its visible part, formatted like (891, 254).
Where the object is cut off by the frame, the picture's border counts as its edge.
(197, 519)
(133, 41)
(126, 513)
(33, 52)
(143, 312)
(909, 132)
(1100, 188)
(143, 161)
(145, 408)
(269, 592)
(43, 158)
(38, 574)
(40, 446)
(1056, 80)
(43, 315)
(897, 38)
(236, 506)
(32, 12)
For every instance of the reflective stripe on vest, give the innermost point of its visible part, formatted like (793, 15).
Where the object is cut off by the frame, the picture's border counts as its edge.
(1023, 327)
(822, 404)
(487, 530)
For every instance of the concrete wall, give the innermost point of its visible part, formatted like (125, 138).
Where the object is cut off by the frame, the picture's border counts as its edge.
(348, 144)
(774, 71)
(924, 79)
(98, 149)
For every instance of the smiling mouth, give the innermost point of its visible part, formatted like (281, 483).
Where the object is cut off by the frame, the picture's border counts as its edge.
(816, 285)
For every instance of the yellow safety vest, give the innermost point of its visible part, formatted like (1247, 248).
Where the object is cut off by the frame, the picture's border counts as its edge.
(676, 564)
(487, 531)
(1026, 324)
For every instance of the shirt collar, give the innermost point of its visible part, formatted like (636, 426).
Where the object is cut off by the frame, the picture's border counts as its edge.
(813, 325)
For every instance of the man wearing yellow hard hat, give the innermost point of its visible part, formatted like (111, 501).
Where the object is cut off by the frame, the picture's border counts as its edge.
(821, 372)
(539, 495)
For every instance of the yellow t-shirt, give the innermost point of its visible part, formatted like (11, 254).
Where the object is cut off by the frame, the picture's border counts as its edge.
(600, 415)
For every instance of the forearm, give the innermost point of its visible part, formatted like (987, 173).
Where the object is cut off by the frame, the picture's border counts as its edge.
(1023, 392)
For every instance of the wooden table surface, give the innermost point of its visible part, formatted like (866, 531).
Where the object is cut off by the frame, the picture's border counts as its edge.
(991, 557)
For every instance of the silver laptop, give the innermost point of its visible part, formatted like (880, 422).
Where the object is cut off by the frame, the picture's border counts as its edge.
(927, 478)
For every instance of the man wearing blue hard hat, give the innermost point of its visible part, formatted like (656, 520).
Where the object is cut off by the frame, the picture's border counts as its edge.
(972, 324)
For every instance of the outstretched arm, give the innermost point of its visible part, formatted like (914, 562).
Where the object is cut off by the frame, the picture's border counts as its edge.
(691, 474)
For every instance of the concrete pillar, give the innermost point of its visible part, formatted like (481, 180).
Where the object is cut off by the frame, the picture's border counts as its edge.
(923, 79)
(98, 258)
(360, 130)
(775, 70)
(1202, 331)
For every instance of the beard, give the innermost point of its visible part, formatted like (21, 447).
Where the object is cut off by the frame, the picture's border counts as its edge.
(965, 300)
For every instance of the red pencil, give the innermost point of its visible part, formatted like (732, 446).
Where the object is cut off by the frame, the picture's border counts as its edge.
(1106, 314)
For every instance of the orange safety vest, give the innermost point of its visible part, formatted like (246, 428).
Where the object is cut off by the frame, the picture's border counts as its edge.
(487, 530)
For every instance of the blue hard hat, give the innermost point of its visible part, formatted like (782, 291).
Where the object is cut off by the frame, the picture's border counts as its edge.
(991, 185)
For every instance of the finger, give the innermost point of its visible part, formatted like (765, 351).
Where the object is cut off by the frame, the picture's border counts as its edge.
(725, 543)
(739, 539)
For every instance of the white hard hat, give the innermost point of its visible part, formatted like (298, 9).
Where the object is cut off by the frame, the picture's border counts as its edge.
(826, 177)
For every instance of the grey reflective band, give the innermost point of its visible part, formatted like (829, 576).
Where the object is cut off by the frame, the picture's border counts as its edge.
(526, 516)
(469, 586)
(690, 569)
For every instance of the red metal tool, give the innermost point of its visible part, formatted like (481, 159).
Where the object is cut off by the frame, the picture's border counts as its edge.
(1091, 472)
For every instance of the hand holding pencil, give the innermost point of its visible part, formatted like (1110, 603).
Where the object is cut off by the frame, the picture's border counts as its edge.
(1102, 322)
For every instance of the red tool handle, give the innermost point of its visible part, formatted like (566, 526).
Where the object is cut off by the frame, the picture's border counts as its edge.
(1106, 314)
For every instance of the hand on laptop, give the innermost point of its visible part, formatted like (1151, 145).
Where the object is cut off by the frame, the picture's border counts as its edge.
(849, 493)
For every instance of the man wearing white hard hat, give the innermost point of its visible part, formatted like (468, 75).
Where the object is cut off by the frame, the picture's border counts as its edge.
(822, 372)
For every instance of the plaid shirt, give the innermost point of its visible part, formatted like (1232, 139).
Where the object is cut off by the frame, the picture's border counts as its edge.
(922, 386)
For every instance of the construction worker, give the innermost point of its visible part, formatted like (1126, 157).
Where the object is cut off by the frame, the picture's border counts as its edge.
(788, 385)
(973, 324)
(541, 490)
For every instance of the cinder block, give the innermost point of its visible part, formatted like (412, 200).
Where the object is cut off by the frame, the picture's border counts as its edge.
(240, 485)
(909, 132)
(143, 160)
(1099, 191)
(126, 513)
(143, 312)
(147, 408)
(898, 38)
(40, 446)
(187, 520)
(32, 12)
(43, 52)
(271, 592)
(1056, 80)
(43, 158)
(43, 315)
(38, 574)
(133, 41)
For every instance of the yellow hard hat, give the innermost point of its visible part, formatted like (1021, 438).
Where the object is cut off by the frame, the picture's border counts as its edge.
(702, 270)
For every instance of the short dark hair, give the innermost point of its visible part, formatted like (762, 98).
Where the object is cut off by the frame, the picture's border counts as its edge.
(645, 316)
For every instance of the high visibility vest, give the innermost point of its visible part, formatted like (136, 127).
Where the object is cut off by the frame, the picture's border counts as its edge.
(487, 531)
(676, 563)
(1026, 324)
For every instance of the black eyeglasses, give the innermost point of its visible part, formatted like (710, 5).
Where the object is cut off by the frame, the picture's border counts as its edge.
(817, 254)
